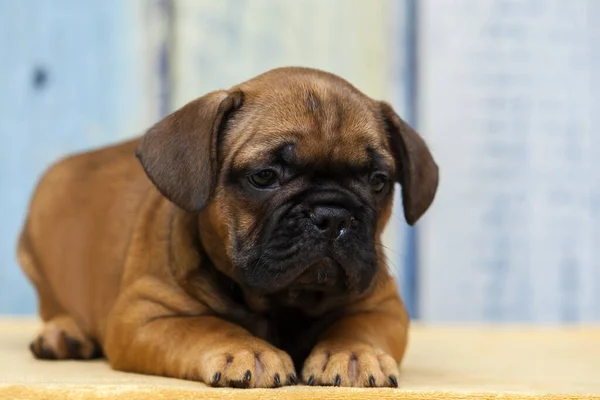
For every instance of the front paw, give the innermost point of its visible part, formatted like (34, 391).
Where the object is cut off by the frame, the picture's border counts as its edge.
(253, 364)
(350, 364)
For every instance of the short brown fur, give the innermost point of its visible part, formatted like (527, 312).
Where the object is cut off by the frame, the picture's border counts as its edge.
(133, 258)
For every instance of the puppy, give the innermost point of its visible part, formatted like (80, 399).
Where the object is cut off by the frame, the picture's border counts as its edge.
(236, 242)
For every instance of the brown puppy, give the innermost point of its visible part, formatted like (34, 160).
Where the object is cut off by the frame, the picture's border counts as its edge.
(240, 246)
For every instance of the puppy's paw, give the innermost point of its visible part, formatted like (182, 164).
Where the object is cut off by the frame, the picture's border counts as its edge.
(247, 365)
(351, 364)
(62, 339)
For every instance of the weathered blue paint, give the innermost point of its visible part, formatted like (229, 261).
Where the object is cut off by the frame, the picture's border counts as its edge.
(509, 102)
(68, 82)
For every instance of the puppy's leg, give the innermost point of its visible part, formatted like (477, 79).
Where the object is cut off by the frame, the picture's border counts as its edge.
(48, 306)
(62, 339)
(364, 347)
(151, 334)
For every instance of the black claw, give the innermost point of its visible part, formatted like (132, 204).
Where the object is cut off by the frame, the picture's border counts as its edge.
(216, 379)
(43, 352)
(239, 384)
(97, 351)
(247, 376)
(277, 379)
(293, 379)
(47, 354)
(73, 347)
(338, 381)
(311, 380)
(372, 381)
(394, 381)
(36, 347)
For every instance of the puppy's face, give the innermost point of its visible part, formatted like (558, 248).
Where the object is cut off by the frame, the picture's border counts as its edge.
(306, 183)
(295, 170)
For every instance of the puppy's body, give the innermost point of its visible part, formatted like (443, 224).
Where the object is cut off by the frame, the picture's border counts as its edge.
(194, 262)
(79, 227)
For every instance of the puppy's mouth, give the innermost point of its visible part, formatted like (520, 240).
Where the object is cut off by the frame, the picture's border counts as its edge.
(325, 275)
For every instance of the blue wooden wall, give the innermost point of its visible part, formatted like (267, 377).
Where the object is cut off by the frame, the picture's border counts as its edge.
(509, 95)
(69, 80)
(506, 92)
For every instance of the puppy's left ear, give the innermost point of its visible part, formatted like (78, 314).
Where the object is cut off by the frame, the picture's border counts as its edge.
(416, 171)
(180, 154)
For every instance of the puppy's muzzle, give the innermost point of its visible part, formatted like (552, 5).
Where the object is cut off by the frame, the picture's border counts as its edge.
(322, 275)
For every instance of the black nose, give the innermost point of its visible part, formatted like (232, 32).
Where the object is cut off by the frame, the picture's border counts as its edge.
(332, 220)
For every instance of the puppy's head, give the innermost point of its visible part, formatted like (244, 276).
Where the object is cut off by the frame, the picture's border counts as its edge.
(295, 171)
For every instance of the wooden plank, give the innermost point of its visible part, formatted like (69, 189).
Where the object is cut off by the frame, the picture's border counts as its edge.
(220, 43)
(509, 98)
(399, 238)
(74, 75)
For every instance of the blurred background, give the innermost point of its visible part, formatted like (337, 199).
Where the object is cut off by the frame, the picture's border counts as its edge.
(506, 93)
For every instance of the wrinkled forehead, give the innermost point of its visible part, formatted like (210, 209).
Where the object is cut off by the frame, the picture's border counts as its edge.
(322, 126)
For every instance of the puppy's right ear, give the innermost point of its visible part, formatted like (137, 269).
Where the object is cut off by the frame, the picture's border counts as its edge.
(180, 154)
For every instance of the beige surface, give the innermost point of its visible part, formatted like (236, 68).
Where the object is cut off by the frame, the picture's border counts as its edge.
(442, 362)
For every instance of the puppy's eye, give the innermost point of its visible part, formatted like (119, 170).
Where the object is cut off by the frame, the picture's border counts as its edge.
(263, 179)
(378, 182)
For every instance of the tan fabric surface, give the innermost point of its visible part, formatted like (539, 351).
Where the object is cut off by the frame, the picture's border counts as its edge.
(442, 362)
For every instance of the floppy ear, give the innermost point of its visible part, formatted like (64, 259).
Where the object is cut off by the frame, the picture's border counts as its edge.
(179, 153)
(416, 171)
